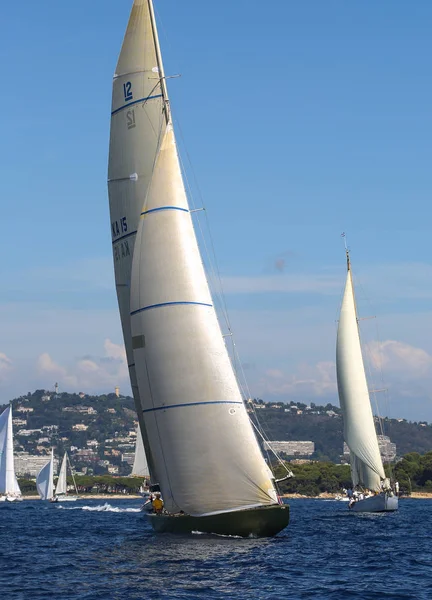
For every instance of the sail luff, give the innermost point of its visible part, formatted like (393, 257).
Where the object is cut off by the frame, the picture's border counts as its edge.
(359, 427)
(206, 454)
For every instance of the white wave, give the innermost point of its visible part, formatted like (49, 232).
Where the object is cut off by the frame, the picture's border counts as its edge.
(101, 508)
(234, 537)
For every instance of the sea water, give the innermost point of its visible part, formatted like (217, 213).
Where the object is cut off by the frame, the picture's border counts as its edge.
(94, 549)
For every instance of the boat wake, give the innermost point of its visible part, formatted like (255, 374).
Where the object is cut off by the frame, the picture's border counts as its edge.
(101, 508)
(234, 537)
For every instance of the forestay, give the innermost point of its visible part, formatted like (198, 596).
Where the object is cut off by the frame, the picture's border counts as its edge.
(137, 119)
(359, 428)
(205, 452)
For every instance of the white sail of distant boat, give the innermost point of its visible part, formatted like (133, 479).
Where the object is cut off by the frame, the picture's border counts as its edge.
(140, 467)
(61, 494)
(9, 488)
(367, 470)
(45, 480)
(199, 442)
(139, 116)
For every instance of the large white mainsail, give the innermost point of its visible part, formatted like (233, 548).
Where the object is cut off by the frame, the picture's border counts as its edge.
(140, 467)
(359, 428)
(45, 479)
(206, 454)
(139, 115)
(8, 481)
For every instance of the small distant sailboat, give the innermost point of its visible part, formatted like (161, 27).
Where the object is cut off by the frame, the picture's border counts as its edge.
(140, 466)
(45, 480)
(367, 471)
(200, 446)
(61, 493)
(9, 488)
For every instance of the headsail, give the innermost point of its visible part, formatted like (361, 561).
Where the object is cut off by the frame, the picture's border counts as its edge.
(8, 480)
(359, 428)
(203, 446)
(140, 467)
(61, 487)
(138, 118)
(44, 480)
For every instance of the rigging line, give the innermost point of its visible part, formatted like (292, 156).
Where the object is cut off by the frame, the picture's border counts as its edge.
(212, 256)
(213, 265)
(271, 449)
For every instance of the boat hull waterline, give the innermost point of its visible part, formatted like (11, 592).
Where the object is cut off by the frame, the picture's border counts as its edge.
(379, 503)
(264, 521)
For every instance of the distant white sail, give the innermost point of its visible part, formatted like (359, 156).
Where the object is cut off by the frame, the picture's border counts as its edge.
(140, 467)
(61, 487)
(359, 428)
(138, 118)
(8, 481)
(45, 480)
(203, 446)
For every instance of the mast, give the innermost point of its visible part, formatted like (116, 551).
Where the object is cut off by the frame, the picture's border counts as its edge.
(160, 63)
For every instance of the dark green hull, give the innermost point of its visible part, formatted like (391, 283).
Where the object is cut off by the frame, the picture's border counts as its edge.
(264, 521)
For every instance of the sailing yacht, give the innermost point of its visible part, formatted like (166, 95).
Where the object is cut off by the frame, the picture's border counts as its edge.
(61, 494)
(367, 471)
(9, 488)
(200, 446)
(45, 480)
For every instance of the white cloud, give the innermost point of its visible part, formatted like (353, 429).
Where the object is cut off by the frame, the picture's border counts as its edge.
(403, 359)
(307, 382)
(89, 374)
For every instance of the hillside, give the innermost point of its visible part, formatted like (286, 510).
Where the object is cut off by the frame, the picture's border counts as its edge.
(99, 431)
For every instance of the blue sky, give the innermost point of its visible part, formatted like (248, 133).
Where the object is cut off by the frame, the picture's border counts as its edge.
(302, 120)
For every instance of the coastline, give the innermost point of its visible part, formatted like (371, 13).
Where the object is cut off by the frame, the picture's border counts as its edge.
(327, 496)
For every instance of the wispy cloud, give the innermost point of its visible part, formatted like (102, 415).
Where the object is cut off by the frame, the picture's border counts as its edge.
(5, 366)
(89, 374)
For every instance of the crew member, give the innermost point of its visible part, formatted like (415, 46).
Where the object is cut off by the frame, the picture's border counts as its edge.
(157, 504)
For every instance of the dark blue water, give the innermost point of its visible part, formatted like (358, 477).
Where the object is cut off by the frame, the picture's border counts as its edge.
(52, 553)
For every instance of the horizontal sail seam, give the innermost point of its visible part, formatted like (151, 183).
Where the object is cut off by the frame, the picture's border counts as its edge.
(114, 112)
(135, 312)
(124, 236)
(147, 410)
(146, 212)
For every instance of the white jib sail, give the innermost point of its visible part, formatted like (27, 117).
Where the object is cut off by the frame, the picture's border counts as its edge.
(44, 480)
(138, 116)
(61, 487)
(206, 454)
(8, 480)
(359, 428)
(140, 467)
